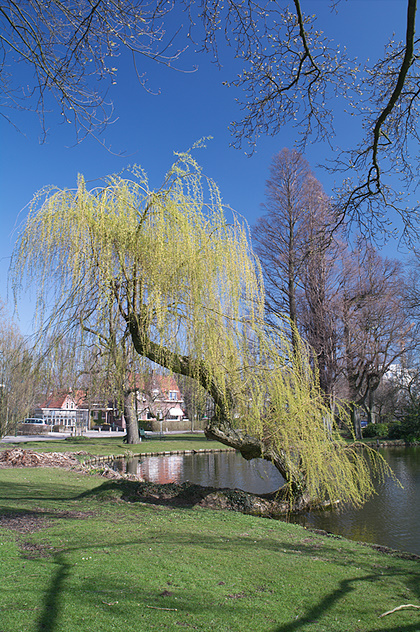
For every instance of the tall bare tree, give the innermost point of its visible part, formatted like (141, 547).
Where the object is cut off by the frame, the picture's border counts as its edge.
(70, 52)
(318, 299)
(297, 251)
(281, 235)
(378, 328)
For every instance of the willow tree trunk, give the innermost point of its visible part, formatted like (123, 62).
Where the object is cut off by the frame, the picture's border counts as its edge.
(221, 427)
(295, 489)
(130, 417)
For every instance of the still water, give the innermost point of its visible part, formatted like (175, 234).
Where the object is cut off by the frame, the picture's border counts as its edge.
(390, 518)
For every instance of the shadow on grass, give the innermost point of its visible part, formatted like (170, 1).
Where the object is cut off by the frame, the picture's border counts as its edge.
(187, 495)
(315, 614)
(192, 603)
(54, 595)
(168, 494)
(52, 602)
(48, 621)
(43, 491)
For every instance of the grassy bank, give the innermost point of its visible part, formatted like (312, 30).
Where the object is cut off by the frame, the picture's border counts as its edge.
(75, 556)
(103, 446)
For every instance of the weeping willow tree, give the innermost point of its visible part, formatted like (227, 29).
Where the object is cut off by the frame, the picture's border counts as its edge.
(164, 272)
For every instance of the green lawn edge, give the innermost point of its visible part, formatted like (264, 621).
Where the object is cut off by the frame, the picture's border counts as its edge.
(73, 557)
(105, 446)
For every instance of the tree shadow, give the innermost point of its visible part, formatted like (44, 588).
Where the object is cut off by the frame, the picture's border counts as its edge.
(55, 592)
(54, 595)
(30, 491)
(187, 495)
(345, 587)
(52, 600)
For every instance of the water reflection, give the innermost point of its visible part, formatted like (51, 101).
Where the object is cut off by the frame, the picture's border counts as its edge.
(390, 518)
(157, 469)
(216, 469)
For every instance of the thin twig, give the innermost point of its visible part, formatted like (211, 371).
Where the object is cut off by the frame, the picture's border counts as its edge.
(407, 605)
(157, 608)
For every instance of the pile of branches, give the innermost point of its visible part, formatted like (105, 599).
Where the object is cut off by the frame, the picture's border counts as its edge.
(17, 457)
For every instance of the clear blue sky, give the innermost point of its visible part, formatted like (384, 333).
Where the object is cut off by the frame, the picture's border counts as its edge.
(150, 127)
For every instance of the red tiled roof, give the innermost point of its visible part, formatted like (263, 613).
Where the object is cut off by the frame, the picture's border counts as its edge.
(164, 383)
(55, 400)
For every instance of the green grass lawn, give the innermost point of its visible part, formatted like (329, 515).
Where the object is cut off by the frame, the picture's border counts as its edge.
(104, 446)
(75, 557)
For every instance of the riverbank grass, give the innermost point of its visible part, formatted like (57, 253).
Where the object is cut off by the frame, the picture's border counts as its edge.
(104, 446)
(74, 557)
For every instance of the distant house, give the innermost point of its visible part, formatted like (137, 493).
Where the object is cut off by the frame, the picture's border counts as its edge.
(63, 410)
(159, 398)
(106, 413)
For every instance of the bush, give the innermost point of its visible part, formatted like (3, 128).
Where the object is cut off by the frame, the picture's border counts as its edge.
(394, 431)
(77, 439)
(375, 430)
(409, 428)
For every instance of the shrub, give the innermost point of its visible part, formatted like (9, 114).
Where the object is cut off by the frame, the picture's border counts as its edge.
(394, 431)
(78, 439)
(409, 428)
(375, 430)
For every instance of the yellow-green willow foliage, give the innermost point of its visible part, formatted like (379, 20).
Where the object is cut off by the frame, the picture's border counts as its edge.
(168, 272)
(288, 412)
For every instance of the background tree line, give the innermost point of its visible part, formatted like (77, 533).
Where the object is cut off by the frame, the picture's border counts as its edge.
(355, 308)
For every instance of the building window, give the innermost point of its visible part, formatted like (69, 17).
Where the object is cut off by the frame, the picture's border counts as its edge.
(173, 395)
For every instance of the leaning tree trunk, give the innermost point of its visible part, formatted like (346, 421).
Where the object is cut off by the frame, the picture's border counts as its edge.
(294, 490)
(221, 427)
(130, 417)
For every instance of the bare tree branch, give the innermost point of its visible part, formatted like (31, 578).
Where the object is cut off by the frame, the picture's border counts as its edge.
(70, 51)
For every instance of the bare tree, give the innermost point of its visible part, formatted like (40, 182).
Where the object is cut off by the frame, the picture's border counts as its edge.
(378, 328)
(297, 252)
(70, 51)
(292, 74)
(281, 235)
(18, 375)
(319, 297)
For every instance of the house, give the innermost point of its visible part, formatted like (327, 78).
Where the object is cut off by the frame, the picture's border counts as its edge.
(159, 397)
(158, 400)
(106, 413)
(63, 410)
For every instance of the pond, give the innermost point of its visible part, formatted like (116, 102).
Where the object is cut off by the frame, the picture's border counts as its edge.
(213, 469)
(391, 518)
